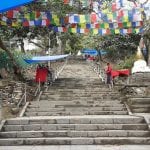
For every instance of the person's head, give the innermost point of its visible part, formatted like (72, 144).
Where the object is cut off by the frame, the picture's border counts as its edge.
(108, 64)
(39, 65)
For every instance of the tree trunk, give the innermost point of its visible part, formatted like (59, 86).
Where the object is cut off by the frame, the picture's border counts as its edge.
(3, 47)
(147, 44)
(22, 46)
(12, 59)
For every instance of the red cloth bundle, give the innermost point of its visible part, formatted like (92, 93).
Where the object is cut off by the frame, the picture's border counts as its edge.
(123, 72)
(41, 74)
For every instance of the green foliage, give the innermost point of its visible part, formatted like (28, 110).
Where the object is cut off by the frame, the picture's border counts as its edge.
(127, 63)
(20, 59)
(4, 60)
(72, 42)
(119, 47)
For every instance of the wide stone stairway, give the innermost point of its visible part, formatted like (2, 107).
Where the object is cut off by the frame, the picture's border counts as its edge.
(78, 109)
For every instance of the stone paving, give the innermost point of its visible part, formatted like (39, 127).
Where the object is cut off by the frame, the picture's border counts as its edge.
(78, 147)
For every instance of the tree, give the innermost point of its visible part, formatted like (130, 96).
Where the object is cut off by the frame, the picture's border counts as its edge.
(49, 38)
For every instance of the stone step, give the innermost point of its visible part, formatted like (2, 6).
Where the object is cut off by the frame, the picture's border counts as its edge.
(103, 119)
(83, 90)
(65, 133)
(107, 113)
(66, 113)
(141, 106)
(69, 108)
(74, 105)
(46, 109)
(73, 102)
(78, 83)
(76, 127)
(139, 100)
(100, 91)
(81, 93)
(75, 141)
(140, 110)
(84, 99)
(77, 86)
(81, 100)
(110, 97)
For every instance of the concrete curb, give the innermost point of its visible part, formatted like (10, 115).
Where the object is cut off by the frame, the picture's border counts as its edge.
(2, 124)
(128, 109)
(24, 109)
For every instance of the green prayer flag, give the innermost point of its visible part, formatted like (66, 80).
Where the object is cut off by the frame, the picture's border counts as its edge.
(102, 25)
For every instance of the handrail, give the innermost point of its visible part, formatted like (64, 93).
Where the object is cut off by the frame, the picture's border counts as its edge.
(38, 90)
(24, 96)
(98, 70)
(61, 69)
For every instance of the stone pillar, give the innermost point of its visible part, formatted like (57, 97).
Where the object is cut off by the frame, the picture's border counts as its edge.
(0, 108)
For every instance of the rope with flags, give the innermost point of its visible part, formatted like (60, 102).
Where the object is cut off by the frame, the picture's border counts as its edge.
(116, 21)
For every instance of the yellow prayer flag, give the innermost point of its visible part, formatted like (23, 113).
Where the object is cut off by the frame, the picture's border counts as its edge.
(129, 24)
(83, 25)
(3, 23)
(56, 19)
(117, 31)
(110, 16)
(95, 31)
(82, 18)
(125, 19)
(73, 30)
(27, 16)
(137, 30)
(106, 11)
(15, 24)
(106, 25)
(141, 9)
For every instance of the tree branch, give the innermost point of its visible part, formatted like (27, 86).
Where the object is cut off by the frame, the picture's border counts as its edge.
(36, 44)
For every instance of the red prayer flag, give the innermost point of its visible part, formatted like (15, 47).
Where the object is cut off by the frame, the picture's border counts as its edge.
(107, 31)
(120, 13)
(129, 30)
(66, 20)
(93, 18)
(38, 14)
(114, 8)
(73, 25)
(26, 23)
(66, 1)
(47, 22)
(120, 25)
(86, 30)
(97, 25)
(10, 14)
(64, 29)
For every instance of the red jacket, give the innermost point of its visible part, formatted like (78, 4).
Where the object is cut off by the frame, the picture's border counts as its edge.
(109, 69)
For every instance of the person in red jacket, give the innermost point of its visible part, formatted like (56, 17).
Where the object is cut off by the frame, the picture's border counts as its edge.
(109, 75)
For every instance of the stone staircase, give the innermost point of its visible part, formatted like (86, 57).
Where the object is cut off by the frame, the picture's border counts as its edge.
(77, 110)
(75, 97)
(139, 104)
(75, 130)
(139, 100)
(140, 78)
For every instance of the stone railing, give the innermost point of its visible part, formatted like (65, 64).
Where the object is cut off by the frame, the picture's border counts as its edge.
(98, 69)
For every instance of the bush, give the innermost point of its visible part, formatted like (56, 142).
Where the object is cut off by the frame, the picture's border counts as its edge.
(127, 63)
